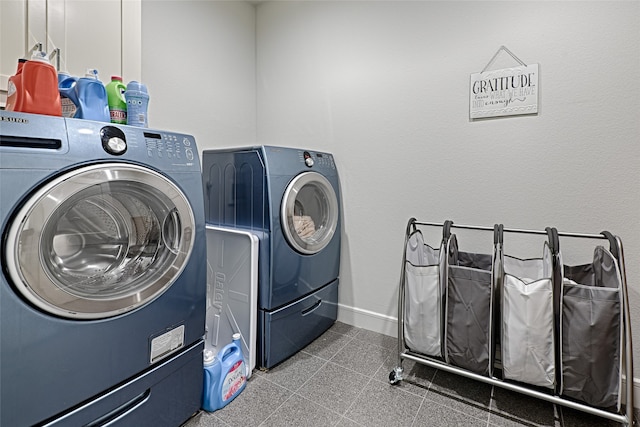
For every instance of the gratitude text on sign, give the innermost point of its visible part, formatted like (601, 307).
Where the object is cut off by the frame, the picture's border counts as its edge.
(505, 92)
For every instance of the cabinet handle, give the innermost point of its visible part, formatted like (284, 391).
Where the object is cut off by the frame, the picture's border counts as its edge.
(36, 47)
(55, 53)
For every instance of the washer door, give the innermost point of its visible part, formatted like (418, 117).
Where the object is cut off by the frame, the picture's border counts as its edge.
(100, 241)
(309, 213)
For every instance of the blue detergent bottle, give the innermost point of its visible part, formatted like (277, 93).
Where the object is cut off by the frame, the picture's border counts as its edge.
(68, 94)
(225, 375)
(92, 98)
(211, 381)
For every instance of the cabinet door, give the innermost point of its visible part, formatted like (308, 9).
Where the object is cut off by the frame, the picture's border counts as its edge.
(13, 40)
(100, 34)
(88, 34)
(36, 24)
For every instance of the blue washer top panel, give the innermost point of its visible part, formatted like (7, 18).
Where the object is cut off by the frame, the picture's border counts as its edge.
(236, 181)
(292, 161)
(235, 189)
(48, 146)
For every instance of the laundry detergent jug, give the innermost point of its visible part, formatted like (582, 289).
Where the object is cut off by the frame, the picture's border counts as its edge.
(92, 98)
(15, 99)
(34, 87)
(225, 375)
(68, 94)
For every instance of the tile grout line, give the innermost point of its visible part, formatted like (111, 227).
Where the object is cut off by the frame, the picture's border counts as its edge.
(280, 406)
(415, 417)
(326, 362)
(265, 374)
(356, 399)
(491, 398)
(374, 378)
(343, 367)
(424, 398)
(488, 408)
(294, 392)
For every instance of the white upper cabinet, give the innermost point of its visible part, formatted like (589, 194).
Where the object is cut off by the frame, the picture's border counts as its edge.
(13, 41)
(88, 34)
(100, 34)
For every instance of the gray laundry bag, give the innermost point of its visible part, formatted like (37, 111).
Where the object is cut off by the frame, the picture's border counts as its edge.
(527, 329)
(592, 329)
(423, 297)
(469, 308)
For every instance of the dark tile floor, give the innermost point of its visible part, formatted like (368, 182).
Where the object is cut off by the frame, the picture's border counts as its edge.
(341, 379)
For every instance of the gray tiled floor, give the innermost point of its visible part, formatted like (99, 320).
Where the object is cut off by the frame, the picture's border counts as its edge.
(341, 379)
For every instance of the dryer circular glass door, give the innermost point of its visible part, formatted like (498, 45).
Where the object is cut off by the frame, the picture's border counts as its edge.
(309, 212)
(100, 241)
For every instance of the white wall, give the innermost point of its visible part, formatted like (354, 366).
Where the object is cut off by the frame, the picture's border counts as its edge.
(198, 61)
(384, 86)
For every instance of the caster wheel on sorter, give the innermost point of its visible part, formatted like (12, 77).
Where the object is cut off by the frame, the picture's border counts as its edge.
(393, 378)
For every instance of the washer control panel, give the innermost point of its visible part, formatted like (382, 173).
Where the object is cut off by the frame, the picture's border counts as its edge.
(169, 146)
(174, 147)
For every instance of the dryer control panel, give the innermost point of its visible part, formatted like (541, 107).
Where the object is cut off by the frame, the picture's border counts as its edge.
(322, 160)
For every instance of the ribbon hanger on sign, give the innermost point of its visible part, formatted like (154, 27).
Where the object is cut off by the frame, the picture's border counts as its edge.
(496, 55)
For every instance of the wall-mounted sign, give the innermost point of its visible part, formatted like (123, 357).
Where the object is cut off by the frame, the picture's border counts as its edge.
(505, 92)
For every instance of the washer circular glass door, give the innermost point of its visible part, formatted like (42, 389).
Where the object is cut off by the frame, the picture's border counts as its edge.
(309, 213)
(99, 241)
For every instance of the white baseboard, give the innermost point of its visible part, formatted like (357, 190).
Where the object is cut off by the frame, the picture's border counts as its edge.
(369, 320)
(388, 325)
(636, 391)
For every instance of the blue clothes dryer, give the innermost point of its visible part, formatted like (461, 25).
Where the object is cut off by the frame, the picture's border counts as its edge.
(103, 283)
(290, 198)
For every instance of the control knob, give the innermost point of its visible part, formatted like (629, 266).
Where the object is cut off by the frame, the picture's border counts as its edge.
(307, 159)
(113, 140)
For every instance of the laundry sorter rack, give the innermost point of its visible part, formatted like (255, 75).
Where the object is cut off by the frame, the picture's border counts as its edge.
(556, 332)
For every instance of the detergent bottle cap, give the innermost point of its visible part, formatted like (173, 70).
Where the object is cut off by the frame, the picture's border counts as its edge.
(135, 86)
(21, 63)
(40, 56)
(91, 73)
(209, 357)
(116, 78)
(236, 336)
